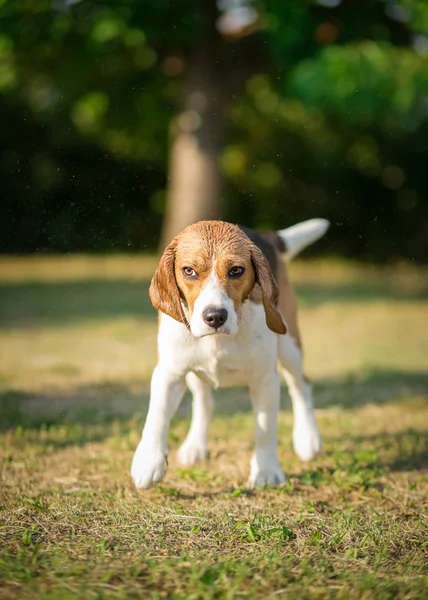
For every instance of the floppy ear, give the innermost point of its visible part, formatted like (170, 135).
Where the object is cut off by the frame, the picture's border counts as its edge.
(270, 291)
(164, 292)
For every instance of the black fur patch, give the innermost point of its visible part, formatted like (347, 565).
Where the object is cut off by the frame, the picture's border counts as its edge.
(269, 243)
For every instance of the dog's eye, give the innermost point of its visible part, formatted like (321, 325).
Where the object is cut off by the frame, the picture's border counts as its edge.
(190, 273)
(236, 272)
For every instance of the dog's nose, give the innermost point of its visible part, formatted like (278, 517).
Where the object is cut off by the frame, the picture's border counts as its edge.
(215, 317)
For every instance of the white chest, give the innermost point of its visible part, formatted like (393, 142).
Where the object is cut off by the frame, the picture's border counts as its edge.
(221, 360)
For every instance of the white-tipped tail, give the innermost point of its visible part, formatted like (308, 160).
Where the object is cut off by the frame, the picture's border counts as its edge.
(297, 237)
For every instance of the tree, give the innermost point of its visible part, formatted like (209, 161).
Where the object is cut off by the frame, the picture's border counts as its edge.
(336, 86)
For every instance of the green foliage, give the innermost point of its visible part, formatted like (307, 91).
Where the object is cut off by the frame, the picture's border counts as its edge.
(368, 84)
(332, 119)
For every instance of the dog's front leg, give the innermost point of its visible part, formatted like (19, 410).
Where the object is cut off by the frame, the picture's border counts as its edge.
(265, 397)
(195, 446)
(166, 392)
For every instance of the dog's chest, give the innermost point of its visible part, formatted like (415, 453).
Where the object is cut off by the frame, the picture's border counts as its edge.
(221, 360)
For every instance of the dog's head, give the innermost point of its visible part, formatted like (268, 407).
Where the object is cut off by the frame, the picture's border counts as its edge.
(206, 274)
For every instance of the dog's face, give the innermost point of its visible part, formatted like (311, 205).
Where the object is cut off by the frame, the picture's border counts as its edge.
(206, 274)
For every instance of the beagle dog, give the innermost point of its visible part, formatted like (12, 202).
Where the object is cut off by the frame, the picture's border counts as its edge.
(227, 316)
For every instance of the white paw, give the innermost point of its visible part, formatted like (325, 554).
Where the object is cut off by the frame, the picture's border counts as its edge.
(192, 451)
(148, 465)
(306, 439)
(268, 474)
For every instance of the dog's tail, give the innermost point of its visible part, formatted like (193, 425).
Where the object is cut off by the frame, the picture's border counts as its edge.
(297, 237)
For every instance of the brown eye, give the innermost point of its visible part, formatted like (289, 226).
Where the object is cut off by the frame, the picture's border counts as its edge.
(236, 272)
(189, 273)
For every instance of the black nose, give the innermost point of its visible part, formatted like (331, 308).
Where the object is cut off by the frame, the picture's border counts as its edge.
(215, 317)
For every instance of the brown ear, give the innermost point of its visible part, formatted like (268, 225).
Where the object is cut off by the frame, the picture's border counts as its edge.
(270, 291)
(164, 292)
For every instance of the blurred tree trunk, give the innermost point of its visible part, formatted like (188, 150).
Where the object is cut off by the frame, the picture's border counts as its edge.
(194, 190)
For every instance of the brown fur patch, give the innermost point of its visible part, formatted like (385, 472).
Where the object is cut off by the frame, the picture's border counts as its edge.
(164, 292)
(287, 302)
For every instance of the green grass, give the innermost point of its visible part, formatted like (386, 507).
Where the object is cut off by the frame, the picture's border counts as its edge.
(77, 339)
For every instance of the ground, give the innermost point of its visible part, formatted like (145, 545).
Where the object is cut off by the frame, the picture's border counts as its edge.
(77, 338)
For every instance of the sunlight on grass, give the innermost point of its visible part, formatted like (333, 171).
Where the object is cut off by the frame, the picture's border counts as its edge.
(78, 339)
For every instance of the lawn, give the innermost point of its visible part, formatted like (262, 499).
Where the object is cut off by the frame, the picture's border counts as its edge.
(77, 339)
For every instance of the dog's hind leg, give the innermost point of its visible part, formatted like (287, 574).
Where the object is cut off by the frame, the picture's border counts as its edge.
(306, 437)
(265, 396)
(195, 446)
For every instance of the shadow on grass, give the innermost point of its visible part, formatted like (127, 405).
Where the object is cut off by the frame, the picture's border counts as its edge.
(86, 405)
(313, 295)
(104, 403)
(410, 449)
(36, 304)
(377, 387)
(94, 414)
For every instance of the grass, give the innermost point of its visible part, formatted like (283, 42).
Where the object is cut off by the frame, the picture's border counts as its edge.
(77, 339)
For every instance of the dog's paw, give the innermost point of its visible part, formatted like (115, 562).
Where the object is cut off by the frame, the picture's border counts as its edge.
(268, 475)
(306, 439)
(192, 451)
(148, 465)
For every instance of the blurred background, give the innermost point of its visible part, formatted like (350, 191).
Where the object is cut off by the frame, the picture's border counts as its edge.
(124, 120)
